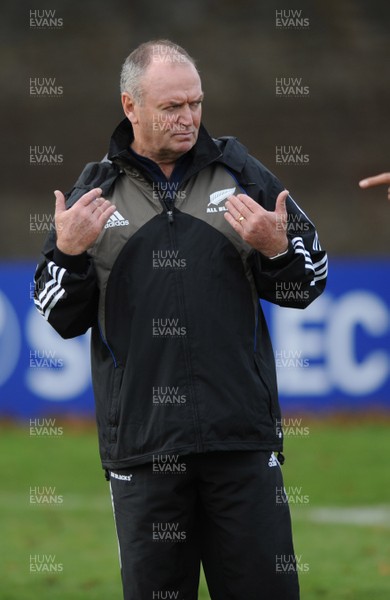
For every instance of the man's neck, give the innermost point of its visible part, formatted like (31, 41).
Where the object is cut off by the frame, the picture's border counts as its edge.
(166, 166)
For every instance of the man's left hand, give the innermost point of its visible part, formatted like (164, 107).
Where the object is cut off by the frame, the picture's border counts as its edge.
(262, 229)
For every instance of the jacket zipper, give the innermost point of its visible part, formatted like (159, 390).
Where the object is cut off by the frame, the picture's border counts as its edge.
(168, 208)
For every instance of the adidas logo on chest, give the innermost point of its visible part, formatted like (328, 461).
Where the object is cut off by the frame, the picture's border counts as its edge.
(116, 220)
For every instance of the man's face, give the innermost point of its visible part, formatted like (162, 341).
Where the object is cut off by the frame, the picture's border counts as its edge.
(167, 121)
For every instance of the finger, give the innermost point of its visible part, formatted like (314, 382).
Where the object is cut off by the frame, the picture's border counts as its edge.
(106, 214)
(90, 196)
(101, 207)
(97, 204)
(233, 211)
(280, 204)
(381, 179)
(60, 202)
(233, 222)
(237, 208)
(104, 205)
(249, 203)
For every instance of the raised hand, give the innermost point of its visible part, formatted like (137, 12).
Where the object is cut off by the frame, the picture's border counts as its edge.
(262, 229)
(79, 226)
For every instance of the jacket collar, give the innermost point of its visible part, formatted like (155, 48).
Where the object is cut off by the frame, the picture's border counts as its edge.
(206, 150)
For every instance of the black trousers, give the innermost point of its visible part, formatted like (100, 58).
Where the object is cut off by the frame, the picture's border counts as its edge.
(225, 509)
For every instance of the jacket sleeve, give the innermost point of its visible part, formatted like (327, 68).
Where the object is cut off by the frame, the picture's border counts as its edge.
(298, 277)
(66, 288)
(66, 291)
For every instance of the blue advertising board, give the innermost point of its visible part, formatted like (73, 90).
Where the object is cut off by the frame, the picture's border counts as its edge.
(334, 355)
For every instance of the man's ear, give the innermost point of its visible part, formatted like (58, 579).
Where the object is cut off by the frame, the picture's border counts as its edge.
(129, 108)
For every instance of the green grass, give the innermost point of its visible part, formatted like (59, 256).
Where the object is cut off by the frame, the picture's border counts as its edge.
(343, 465)
(334, 465)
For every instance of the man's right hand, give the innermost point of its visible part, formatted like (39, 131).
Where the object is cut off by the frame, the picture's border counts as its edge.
(79, 226)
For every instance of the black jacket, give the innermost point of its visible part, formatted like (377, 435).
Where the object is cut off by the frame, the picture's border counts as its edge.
(181, 356)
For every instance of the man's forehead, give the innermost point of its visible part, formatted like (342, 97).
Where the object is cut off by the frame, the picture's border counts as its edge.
(163, 79)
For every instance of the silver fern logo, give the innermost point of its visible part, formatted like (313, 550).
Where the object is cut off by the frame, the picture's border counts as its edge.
(217, 197)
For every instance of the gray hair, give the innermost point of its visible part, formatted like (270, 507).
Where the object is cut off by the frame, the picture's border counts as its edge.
(138, 61)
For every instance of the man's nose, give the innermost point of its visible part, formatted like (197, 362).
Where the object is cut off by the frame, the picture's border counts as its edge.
(185, 116)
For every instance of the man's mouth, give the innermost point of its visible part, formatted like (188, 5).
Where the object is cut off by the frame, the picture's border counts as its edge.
(183, 133)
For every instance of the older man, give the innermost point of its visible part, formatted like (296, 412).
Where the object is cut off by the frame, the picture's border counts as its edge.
(165, 249)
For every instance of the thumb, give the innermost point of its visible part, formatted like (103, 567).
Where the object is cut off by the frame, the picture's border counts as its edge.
(60, 202)
(280, 205)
